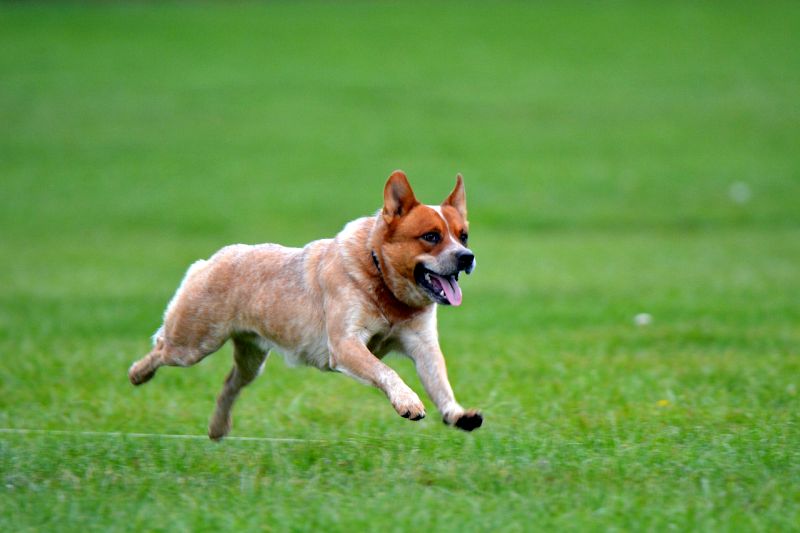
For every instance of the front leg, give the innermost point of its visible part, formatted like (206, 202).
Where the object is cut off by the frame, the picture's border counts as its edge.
(350, 356)
(423, 348)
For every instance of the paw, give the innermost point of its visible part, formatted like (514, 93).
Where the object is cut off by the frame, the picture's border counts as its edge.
(219, 428)
(468, 420)
(139, 374)
(409, 406)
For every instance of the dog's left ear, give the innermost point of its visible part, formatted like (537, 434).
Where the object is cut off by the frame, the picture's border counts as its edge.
(458, 198)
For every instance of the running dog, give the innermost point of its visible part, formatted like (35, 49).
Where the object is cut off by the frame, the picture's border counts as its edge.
(337, 304)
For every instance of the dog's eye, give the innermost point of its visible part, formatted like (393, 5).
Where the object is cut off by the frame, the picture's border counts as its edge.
(464, 238)
(432, 237)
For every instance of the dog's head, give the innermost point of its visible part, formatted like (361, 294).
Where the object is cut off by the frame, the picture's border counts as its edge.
(422, 249)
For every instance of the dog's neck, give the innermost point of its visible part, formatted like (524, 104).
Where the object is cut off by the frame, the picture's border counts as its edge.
(392, 307)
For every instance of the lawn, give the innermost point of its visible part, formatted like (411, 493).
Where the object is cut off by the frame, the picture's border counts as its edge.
(620, 158)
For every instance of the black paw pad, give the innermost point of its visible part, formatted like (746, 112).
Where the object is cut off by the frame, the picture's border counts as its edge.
(419, 417)
(469, 422)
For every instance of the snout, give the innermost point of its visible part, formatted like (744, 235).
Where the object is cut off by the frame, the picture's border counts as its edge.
(466, 261)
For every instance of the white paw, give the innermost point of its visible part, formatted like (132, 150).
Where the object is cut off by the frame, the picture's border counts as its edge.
(408, 405)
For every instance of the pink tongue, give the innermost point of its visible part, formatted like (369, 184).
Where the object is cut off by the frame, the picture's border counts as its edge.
(451, 289)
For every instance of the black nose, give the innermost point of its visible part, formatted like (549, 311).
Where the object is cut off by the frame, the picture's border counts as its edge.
(465, 261)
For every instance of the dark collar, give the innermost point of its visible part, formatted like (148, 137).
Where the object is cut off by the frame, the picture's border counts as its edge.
(377, 263)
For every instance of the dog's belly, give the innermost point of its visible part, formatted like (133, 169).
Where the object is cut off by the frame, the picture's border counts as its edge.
(299, 336)
(315, 355)
(314, 352)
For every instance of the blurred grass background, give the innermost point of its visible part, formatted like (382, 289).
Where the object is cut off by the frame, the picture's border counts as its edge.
(620, 158)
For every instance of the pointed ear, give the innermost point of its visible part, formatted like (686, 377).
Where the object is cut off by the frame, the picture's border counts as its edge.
(398, 198)
(458, 198)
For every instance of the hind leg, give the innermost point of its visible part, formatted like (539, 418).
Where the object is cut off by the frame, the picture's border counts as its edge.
(145, 368)
(189, 352)
(248, 361)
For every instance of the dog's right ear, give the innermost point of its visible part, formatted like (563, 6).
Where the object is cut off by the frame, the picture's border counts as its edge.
(398, 198)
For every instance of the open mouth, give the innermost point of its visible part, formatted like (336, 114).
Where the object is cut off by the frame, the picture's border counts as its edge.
(441, 289)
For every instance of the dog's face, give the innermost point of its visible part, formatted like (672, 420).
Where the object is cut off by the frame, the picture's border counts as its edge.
(423, 248)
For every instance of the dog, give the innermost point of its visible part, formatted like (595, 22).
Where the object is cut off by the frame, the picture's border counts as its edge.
(336, 304)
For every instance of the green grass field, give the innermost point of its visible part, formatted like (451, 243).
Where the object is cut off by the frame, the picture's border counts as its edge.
(620, 158)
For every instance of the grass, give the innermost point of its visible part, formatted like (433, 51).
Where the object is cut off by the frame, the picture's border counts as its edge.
(600, 145)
